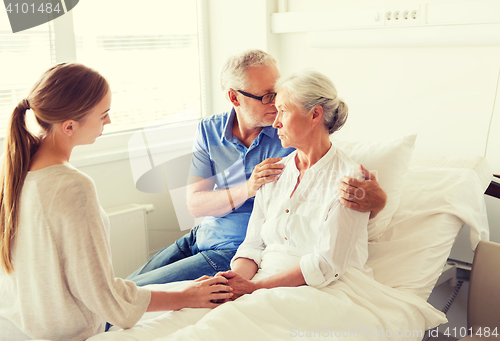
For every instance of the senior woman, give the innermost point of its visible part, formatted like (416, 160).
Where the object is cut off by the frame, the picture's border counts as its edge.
(299, 233)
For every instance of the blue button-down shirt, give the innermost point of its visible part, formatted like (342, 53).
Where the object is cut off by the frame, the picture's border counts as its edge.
(219, 155)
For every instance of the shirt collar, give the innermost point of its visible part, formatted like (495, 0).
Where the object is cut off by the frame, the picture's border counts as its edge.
(330, 154)
(325, 159)
(228, 127)
(269, 131)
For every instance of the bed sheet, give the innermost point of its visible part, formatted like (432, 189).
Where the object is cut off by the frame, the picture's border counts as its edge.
(355, 307)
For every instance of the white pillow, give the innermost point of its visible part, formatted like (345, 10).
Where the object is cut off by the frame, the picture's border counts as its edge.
(435, 203)
(388, 161)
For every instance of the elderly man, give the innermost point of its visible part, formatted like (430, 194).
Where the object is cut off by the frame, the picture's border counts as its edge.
(234, 154)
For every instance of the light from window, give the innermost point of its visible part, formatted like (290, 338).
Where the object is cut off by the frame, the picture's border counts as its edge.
(24, 56)
(148, 51)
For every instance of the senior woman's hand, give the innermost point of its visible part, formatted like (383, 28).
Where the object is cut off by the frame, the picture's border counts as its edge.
(238, 283)
(363, 196)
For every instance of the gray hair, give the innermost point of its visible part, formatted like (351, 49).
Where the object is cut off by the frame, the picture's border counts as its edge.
(310, 88)
(234, 70)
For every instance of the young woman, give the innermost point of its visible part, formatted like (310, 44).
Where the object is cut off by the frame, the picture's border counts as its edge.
(56, 277)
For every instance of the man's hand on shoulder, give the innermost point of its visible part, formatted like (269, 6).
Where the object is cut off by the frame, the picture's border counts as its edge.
(363, 196)
(266, 171)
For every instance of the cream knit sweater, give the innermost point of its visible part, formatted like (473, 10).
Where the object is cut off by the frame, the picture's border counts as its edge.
(63, 287)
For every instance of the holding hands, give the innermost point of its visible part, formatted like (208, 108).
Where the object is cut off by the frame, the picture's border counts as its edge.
(204, 292)
(208, 292)
(239, 284)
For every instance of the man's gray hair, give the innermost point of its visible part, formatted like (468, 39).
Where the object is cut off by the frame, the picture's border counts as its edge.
(234, 70)
(310, 88)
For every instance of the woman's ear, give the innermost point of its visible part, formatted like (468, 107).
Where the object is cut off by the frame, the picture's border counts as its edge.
(233, 97)
(317, 114)
(69, 127)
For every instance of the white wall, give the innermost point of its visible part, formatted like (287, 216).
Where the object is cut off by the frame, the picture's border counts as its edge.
(234, 25)
(116, 187)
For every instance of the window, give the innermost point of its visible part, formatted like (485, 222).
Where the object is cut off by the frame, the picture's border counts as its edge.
(24, 56)
(148, 51)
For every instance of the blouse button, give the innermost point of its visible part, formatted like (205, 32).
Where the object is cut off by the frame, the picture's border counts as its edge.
(336, 275)
(286, 211)
(286, 238)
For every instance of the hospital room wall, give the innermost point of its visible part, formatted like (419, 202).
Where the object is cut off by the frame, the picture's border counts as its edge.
(116, 187)
(233, 26)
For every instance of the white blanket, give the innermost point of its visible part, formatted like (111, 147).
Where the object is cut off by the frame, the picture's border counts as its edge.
(354, 307)
(409, 257)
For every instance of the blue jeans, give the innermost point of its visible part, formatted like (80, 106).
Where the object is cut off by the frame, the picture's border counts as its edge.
(182, 261)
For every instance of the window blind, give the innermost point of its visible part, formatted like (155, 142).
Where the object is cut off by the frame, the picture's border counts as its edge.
(24, 56)
(148, 51)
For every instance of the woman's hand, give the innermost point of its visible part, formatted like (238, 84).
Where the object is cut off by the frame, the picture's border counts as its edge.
(207, 292)
(238, 283)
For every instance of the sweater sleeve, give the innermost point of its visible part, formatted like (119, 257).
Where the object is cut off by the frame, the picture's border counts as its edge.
(87, 266)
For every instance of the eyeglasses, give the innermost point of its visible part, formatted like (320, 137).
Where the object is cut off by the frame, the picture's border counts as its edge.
(266, 99)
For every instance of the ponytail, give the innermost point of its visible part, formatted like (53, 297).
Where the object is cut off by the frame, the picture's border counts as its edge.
(20, 145)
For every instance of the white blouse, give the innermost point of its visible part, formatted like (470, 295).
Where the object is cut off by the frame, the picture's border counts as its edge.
(328, 236)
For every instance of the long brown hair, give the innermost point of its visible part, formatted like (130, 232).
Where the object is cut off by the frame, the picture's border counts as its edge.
(67, 91)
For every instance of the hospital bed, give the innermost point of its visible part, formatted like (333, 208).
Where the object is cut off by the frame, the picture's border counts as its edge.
(430, 198)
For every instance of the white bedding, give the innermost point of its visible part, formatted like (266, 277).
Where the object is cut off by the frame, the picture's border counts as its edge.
(356, 306)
